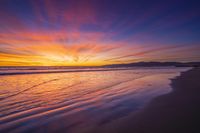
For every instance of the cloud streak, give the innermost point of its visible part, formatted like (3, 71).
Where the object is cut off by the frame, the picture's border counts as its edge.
(97, 32)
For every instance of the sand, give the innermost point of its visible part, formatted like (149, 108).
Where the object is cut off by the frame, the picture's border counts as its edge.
(175, 112)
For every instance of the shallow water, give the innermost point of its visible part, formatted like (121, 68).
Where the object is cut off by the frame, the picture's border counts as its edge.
(77, 101)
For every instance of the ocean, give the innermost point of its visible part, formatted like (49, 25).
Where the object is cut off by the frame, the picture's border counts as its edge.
(43, 99)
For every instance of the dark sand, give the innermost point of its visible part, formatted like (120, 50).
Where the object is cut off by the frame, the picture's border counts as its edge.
(176, 112)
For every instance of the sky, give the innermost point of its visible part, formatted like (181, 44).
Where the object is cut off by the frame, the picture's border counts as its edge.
(98, 32)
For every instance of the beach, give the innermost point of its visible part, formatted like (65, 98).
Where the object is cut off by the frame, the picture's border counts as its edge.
(99, 66)
(175, 112)
(142, 100)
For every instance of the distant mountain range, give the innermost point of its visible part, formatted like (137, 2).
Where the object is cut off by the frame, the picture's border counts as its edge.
(136, 64)
(156, 64)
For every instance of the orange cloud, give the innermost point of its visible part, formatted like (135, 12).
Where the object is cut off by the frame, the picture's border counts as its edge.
(57, 48)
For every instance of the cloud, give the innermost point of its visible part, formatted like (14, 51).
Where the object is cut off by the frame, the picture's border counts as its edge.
(88, 32)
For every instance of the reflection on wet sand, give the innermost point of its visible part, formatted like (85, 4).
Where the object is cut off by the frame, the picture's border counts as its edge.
(77, 101)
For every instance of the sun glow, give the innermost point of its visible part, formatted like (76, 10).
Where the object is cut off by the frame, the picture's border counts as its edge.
(90, 33)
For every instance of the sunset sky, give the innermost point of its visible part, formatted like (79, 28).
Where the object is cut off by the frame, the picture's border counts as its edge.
(98, 32)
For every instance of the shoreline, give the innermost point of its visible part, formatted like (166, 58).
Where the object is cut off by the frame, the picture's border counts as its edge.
(30, 72)
(177, 111)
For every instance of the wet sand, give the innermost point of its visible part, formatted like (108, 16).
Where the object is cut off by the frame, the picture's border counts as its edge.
(175, 112)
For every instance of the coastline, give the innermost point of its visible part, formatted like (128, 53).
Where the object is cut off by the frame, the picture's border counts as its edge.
(177, 111)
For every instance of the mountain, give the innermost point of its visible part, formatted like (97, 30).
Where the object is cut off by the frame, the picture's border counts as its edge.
(156, 64)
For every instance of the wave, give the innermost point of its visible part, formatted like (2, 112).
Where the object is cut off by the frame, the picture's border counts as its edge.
(45, 82)
(21, 72)
(97, 104)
